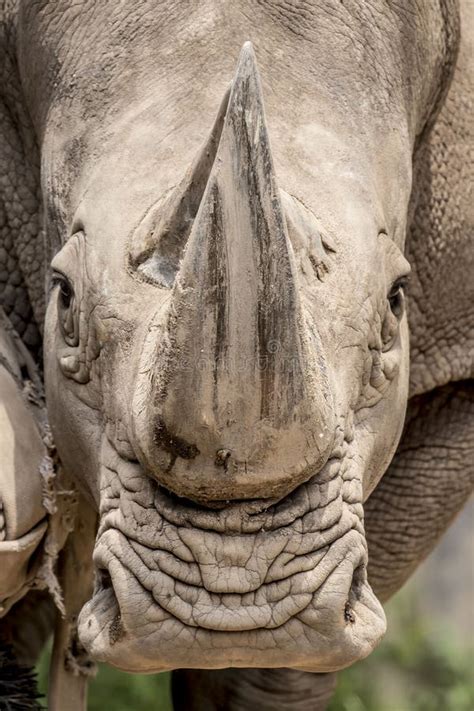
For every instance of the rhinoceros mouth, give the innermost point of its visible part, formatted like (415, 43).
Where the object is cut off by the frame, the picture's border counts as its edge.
(257, 583)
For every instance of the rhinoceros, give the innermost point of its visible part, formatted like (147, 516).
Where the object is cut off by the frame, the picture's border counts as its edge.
(258, 321)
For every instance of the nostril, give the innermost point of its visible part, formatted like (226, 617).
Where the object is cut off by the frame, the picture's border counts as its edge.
(103, 580)
(358, 579)
(349, 613)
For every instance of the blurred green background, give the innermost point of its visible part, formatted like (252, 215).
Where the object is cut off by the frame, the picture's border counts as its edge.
(425, 663)
(408, 672)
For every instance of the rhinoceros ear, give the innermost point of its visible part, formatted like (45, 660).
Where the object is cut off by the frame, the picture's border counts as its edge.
(440, 244)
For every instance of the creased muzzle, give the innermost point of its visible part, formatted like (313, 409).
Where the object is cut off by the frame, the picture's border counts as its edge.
(293, 595)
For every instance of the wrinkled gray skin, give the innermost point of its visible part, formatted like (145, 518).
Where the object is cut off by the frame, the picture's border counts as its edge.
(226, 341)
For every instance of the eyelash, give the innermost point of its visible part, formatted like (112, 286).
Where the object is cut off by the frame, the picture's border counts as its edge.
(66, 290)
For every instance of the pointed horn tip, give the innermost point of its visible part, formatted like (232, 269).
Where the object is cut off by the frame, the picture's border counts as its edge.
(247, 53)
(246, 65)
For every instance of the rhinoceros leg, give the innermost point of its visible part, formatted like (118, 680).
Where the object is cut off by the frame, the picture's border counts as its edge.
(18, 688)
(28, 625)
(244, 689)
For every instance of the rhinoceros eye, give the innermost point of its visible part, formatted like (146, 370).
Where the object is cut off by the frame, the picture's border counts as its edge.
(396, 298)
(394, 313)
(65, 293)
(67, 317)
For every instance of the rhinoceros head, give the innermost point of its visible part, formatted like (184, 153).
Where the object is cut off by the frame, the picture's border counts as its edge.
(229, 380)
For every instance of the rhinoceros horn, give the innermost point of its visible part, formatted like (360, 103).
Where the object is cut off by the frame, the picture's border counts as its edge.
(240, 406)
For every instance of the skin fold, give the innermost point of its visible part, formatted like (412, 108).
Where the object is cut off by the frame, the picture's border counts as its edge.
(23, 517)
(228, 332)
